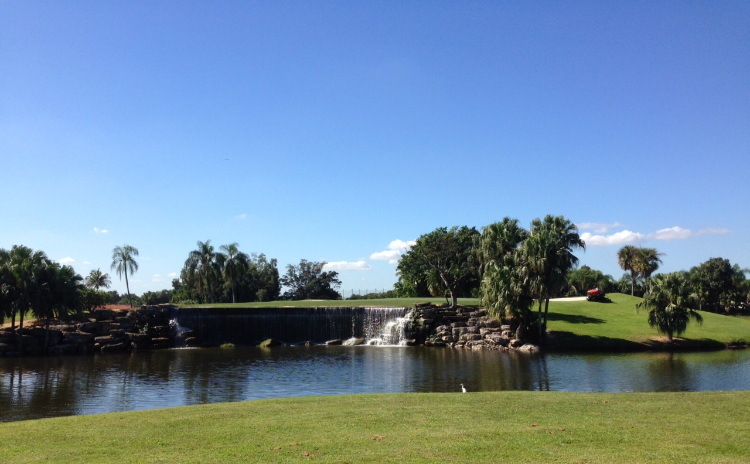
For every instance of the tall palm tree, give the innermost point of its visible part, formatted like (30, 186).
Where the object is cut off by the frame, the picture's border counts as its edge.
(203, 262)
(626, 259)
(123, 262)
(234, 262)
(97, 279)
(668, 301)
(646, 262)
(498, 240)
(56, 294)
(549, 256)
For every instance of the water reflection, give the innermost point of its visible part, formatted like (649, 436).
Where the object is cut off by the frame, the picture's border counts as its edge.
(47, 387)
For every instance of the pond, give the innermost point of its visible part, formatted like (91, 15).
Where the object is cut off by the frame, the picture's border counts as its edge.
(33, 388)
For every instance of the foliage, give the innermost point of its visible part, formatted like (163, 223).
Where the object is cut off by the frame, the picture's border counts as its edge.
(718, 286)
(98, 280)
(154, 298)
(226, 276)
(374, 295)
(308, 281)
(92, 299)
(668, 304)
(626, 259)
(444, 260)
(580, 280)
(123, 262)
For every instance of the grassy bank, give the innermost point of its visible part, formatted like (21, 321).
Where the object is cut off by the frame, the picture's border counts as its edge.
(379, 303)
(616, 326)
(514, 427)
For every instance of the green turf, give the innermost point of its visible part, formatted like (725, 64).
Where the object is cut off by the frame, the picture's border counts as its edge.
(382, 302)
(583, 325)
(516, 427)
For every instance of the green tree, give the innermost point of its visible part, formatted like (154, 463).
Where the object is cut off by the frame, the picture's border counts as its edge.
(56, 294)
(202, 262)
(548, 252)
(308, 280)
(98, 280)
(668, 303)
(123, 262)
(713, 281)
(24, 268)
(445, 259)
(234, 262)
(646, 262)
(626, 259)
(92, 299)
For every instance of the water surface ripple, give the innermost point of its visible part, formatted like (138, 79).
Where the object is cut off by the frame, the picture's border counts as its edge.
(33, 388)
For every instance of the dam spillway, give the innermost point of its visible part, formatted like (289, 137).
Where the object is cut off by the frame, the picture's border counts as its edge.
(250, 326)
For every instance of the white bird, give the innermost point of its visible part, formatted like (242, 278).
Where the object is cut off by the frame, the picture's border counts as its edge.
(463, 389)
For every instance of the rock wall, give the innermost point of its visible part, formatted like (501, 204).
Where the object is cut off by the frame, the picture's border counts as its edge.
(102, 331)
(474, 330)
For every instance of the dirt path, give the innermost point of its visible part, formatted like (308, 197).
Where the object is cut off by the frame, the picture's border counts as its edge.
(26, 322)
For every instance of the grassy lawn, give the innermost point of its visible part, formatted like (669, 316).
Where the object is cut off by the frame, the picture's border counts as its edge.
(382, 302)
(582, 325)
(518, 427)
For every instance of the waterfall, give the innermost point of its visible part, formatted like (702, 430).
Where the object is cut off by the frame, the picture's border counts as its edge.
(250, 326)
(393, 332)
(178, 332)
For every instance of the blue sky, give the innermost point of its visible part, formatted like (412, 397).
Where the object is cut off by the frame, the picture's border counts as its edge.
(338, 130)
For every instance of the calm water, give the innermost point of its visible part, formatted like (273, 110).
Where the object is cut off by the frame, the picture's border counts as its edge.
(32, 388)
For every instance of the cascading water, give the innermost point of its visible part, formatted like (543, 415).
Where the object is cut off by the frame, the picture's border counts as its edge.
(393, 333)
(250, 326)
(178, 332)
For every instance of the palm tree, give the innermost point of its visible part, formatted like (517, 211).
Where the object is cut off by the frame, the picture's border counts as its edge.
(668, 301)
(498, 240)
(626, 259)
(97, 279)
(234, 262)
(549, 256)
(22, 267)
(646, 262)
(123, 262)
(56, 294)
(203, 261)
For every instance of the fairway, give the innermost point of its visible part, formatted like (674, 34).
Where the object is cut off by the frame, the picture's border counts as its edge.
(518, 427)
(617, 326)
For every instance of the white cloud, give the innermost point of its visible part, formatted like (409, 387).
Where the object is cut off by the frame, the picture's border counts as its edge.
(671, 233)
(627, 237)
(347, 266)
(100, 231)
(711, 231)
(395, 249)
(624, 237)
(241, 216)
(172, 274)
(67, 261)
(598, 227)
(87, 262)
(401, 245)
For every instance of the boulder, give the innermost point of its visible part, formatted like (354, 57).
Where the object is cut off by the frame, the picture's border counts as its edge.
(529, 348)
(192, 342)
(334, 342)
(160, 342)
(102, 314)
(515, 343)
(122, 346)
(353, 342)
(89, 327)
(77, 338)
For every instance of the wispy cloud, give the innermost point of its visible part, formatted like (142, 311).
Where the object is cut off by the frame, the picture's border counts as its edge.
(156, 278)
(172, 274)
(67, 261)
(627, 237)
(347, 266)
(100, 231)
(241, 216)
(395, 249)
(598, 227)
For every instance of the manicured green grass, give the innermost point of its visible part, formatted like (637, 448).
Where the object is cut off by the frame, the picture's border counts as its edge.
(517, 427)
(583, 325)
(382, 302)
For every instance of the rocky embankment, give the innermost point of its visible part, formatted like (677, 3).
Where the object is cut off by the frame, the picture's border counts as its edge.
(102, 331)
(474, 330)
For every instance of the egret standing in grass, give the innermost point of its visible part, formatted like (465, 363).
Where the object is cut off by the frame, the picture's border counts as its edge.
(463, 389)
